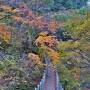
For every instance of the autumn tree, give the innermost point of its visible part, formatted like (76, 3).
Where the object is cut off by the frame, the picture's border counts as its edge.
(49, 44)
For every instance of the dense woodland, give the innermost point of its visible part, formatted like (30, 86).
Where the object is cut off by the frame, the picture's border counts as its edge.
(30, 30)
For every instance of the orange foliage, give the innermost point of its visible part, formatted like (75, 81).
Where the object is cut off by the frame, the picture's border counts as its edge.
(4, 33)
(53, 25)
(33, 18)
(39, 22)
(54, 55)
(17, 18)
(31, 14)
(45, 39)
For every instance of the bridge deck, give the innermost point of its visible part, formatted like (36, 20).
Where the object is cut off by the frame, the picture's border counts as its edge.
(50, 80)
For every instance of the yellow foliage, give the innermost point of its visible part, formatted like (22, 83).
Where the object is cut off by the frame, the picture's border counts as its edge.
(45, 39)
(4, 33)
(54, 55)
(6, 8)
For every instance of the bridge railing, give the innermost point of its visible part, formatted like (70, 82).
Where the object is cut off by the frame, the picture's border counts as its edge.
(42, 82)
(58, 84)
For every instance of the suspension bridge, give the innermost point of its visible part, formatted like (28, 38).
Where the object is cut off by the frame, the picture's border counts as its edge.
(50, 80)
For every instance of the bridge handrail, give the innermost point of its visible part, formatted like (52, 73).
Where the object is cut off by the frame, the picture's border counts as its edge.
(42, 82)
(58, 84)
